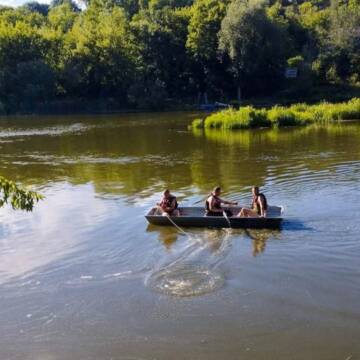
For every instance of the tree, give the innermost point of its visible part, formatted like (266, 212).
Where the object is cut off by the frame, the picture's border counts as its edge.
(173, 4)
(252, 42)
(19, 198)
(34, 6)
(202, 41)
(19, 42)
(100, 63)
(147, 53)
(338, 60)
(71, 3)
(62, 17)
(25, 78)
(162, 62)
(27, 84)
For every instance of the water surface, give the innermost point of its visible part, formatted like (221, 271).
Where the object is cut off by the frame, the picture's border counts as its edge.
(85, 277)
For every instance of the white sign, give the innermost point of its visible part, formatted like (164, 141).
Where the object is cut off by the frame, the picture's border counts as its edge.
(291, 73)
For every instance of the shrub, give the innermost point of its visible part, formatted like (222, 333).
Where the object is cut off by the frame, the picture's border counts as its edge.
(277, 116)
(197, 124)
(280, 116)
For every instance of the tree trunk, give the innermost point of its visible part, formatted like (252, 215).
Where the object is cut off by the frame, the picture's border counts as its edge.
(205, 98)
(239, 93)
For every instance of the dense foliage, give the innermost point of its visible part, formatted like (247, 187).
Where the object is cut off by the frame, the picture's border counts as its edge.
(19, 198)
(298, 114)
(151, 53)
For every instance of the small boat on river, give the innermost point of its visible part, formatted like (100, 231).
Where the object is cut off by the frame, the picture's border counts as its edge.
(195, 217)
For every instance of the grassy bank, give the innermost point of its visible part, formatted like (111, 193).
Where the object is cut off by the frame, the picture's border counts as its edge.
(295, 115)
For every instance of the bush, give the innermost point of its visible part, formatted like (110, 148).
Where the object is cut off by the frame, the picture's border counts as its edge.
(197, 124)
(278, 116)
(244, 118)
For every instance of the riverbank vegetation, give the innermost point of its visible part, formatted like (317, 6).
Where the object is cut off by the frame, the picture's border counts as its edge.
(18, 197)
(298, 114)
(151, 54)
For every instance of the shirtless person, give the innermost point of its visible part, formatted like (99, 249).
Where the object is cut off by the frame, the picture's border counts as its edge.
(168, 205)
(258, 206)
(213, 204)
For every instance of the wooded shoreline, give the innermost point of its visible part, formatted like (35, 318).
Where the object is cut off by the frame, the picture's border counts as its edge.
(111, 55)
(111, 106)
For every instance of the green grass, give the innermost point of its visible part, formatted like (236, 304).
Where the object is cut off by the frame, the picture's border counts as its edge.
(295, 115)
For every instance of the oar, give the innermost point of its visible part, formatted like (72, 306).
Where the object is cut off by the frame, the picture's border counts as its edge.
(201, 200)
(227, 219)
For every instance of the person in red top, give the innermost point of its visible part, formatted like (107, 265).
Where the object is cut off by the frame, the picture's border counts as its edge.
(168, 205)
(258, 206)
(213, 204)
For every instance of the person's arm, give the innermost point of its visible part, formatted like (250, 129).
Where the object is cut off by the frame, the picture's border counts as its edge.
(162, 208)
(228, 202)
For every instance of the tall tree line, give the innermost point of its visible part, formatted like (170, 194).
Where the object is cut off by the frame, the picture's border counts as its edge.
(148, 53)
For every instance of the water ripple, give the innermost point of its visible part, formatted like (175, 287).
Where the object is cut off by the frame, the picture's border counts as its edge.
(185, 280)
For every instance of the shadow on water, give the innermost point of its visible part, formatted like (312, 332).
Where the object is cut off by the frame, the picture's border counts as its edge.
(296, 225)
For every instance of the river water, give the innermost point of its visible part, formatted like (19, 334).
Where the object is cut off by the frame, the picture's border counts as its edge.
(85, 277)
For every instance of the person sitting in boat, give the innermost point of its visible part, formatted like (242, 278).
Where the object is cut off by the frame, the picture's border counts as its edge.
(258, 206)
(168, 205)
(213, 204)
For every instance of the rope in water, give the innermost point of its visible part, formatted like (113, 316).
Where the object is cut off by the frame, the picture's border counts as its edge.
(178, 227)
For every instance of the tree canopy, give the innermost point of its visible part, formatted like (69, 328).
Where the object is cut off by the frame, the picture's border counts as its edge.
(253, 41)
(146, 53)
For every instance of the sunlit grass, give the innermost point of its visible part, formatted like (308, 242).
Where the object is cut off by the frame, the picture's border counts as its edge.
(295, 115)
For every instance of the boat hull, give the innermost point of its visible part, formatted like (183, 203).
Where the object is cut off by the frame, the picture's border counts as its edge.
(195, 218)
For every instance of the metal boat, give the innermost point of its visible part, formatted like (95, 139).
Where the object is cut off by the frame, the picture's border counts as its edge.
(195, 217)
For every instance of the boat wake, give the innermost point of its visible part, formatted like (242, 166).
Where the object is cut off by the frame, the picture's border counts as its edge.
(194, 271)
(185, 280)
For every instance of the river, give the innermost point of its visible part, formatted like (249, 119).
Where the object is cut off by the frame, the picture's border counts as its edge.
(85, 277)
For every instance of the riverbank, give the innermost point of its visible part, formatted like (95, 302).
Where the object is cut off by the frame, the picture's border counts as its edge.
(277, 116)
(85, 106)
(71, 106)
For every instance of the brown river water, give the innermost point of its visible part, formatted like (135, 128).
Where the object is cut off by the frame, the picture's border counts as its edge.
(85, 277)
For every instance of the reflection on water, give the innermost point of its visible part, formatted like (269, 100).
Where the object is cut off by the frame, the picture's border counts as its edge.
(31, 242)
(86, 269)
(218, 240)
(167, 236)
(182, 275)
